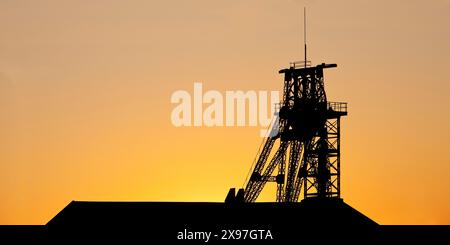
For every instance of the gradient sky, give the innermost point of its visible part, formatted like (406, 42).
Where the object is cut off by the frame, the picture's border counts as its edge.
(85, 106)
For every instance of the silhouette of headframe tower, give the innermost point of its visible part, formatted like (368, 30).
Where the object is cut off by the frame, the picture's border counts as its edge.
(303, 155)
(302, 152)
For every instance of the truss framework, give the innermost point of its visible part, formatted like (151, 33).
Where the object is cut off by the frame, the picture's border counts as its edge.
(307, 157)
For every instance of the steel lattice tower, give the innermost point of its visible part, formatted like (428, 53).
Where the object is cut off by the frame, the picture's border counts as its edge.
(307, 159)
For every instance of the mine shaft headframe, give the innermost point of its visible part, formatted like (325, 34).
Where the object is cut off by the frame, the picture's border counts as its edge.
(307, 158)
(311, 127)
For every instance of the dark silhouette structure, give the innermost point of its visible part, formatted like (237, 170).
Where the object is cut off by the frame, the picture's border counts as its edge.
(307, 130)
(163, 220)
(308, 135)
(311, 220)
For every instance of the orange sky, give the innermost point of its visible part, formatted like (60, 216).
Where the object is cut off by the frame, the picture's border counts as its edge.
(85, 106)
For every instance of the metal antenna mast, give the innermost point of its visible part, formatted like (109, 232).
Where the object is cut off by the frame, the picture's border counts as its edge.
(304, 31)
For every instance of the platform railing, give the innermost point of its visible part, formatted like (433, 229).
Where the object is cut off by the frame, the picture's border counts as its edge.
(300, 64)
(337, 106)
